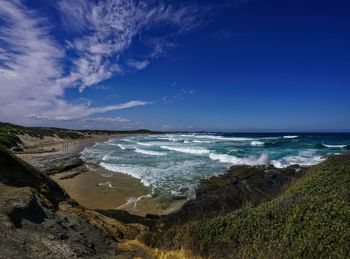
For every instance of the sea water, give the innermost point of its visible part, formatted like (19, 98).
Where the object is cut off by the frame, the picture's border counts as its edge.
(173, 164)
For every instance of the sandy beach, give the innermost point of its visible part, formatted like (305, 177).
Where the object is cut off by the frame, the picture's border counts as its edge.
(93, 186)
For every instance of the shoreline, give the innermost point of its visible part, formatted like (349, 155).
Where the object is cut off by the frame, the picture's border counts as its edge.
(98, 188)
(95, 187)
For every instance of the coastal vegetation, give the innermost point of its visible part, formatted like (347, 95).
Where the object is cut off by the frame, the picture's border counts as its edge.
(310, 220)
(9, 133)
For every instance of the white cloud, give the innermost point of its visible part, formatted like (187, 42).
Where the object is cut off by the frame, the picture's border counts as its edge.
(188, 91)
(36, 70)
(111, 27)
(29, 61)
(138, 65)
(32, 79)
(109, 119)
(67, 112)
(29, 56)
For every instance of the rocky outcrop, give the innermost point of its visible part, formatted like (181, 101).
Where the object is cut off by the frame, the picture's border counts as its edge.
(39, 220)
(31, 228)
(14, 172)
(240, 186)
(56, 163)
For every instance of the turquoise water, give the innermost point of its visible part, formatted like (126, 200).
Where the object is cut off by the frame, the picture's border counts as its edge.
(173, 164)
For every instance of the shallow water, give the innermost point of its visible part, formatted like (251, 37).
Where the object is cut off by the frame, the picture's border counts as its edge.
(173, 164)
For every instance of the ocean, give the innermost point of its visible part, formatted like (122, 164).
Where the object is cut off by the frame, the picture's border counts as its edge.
(173, 164)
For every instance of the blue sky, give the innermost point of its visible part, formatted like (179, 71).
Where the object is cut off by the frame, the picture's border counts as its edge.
(245, 65)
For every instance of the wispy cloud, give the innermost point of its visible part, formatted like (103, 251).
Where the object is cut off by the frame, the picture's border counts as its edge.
(180, 95)
(173, 84)
(111, 27)
(109, 119)
(138, 65)
(67, 112)
(36, 69)
(29, 61)
(187, 91)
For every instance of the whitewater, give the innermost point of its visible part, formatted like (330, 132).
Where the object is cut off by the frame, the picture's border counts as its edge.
(173, 164)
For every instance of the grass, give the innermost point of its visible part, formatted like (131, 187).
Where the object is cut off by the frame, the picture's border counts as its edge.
(9, 133)
(310, 220)
(9, 139)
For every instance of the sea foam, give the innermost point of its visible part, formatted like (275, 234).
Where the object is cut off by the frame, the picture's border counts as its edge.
(220, 138)
(257, 143)
(144, 144)
(187, 150)
(125, 170)
(233, 160)
(149, 152)
(304, 158)
(190, 157)
(334, 146)
(121, 146)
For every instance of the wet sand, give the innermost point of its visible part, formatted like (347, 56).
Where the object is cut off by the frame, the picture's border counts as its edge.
(97, 188)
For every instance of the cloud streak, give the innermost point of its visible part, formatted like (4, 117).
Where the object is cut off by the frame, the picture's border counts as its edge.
(111, 27)
(36, 69)
(77, 112)
(29, 61)
(118, 120)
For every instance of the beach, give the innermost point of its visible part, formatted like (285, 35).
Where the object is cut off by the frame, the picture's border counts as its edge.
(153, 174)
(91, 185)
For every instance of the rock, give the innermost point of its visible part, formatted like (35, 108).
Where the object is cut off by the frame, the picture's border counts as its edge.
(128, 218)
(152, 216)
(239, 186)
(39, 220)
(53, 164)
(32, 224)
(14, 172)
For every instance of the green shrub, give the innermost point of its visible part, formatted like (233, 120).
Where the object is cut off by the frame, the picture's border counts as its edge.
(311, 219)
(9, 133)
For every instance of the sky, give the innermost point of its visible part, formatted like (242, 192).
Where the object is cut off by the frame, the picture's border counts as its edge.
(234, 65)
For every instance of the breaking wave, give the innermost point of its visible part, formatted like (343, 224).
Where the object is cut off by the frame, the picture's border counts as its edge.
(257, 143)
(304, 158)
(334, 146)
(222, 138)
(187, 150)
(149, 152)
(233, 160)
(125, 170)
(174, 163)
(297, 160)
(121, 146)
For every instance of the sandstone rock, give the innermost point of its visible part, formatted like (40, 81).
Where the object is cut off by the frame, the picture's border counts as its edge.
(33, 226)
